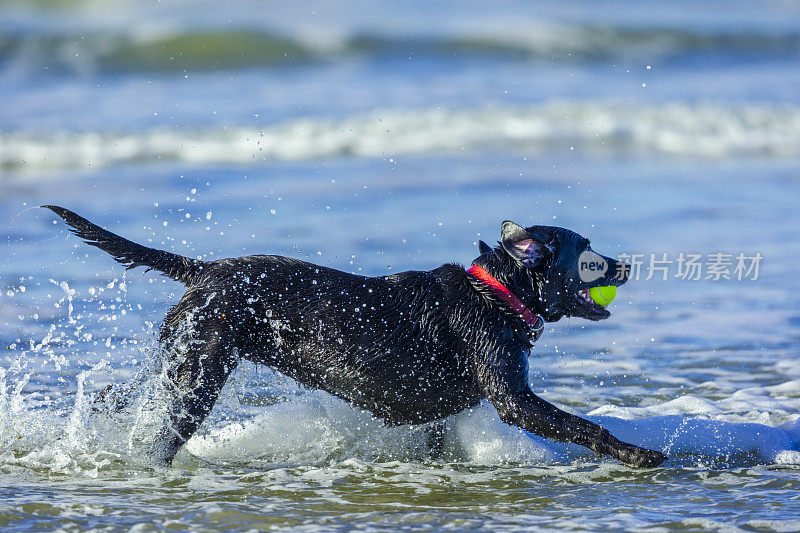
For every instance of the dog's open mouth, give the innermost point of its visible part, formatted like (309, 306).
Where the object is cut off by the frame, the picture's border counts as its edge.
(586, 308)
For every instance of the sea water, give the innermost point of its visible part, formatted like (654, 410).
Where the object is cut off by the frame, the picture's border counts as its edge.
(385, 138)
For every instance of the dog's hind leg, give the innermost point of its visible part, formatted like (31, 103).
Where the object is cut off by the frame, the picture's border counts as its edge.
(199, 355)
(117, 397)
(434, 433)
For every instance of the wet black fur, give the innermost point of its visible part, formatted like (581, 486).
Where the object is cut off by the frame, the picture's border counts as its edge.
(411, 347)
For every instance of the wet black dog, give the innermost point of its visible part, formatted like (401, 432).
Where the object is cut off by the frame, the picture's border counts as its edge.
(412, 347)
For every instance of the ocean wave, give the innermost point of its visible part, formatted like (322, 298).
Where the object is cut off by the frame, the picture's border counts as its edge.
(317, 429)
(329, 429)
(177, 49)
(709, 130)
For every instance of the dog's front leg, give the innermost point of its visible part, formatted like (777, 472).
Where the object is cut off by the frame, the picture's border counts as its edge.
(533, 414)
(503, 376)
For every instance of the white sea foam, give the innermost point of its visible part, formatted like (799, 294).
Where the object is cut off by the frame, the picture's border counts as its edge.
(315, 428)
(325, 428)
(712, 130)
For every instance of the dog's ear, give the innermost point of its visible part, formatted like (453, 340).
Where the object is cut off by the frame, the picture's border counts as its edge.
(526, 248)
(484, 248)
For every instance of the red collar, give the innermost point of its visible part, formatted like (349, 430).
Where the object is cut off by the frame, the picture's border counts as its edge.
(533, 320)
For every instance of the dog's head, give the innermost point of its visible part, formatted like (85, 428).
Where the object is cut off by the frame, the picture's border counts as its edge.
(551, 269)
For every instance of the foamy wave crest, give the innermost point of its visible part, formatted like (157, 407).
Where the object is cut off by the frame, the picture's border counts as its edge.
(313, 428)
(146, 48)
(325, 429)
(701, 130)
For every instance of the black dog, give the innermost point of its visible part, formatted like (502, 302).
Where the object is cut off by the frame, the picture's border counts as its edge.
(412, 347)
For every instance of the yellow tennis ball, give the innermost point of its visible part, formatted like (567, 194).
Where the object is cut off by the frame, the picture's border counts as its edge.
(603, 295)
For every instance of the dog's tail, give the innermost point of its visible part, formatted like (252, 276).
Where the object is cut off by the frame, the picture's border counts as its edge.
(129, 253)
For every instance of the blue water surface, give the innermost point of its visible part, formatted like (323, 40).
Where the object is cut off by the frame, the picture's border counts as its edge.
(385, 137)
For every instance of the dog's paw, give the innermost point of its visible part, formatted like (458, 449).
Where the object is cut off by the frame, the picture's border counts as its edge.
(629, 454)
(642, 458)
